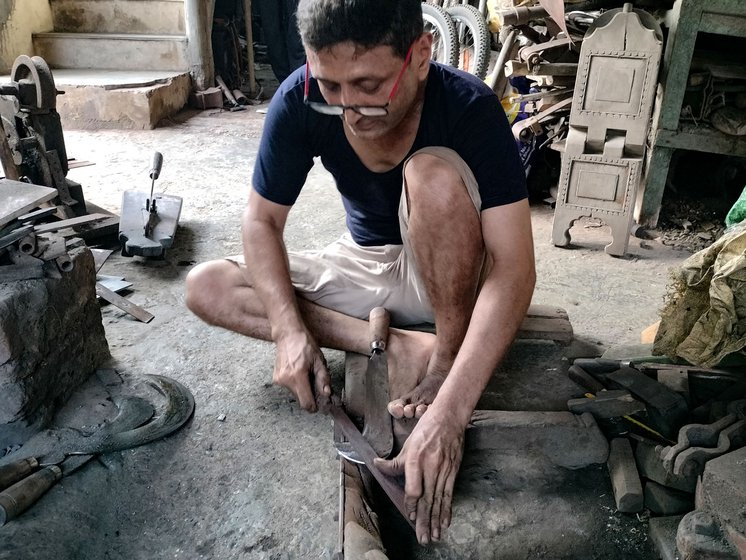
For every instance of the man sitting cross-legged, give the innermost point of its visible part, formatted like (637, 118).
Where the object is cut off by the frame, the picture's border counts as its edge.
(439, 231)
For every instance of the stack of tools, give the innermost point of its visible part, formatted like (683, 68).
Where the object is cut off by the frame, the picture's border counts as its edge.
(29, 472)
(676, 433)
(29, 249)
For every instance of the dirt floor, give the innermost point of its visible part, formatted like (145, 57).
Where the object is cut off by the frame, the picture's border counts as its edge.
(252, 476)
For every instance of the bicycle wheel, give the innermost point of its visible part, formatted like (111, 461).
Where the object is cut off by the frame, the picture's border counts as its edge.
(440, 24)
(474, 39)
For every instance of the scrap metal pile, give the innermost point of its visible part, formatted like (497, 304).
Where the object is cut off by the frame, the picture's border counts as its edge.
(35, 189)
(41, 210)
(677, 449)
(576, 77)
(527, 52)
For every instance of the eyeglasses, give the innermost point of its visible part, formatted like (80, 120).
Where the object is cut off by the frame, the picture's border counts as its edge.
(365, 110)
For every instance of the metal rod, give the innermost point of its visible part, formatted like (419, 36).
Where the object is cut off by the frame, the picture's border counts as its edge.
(493, 79)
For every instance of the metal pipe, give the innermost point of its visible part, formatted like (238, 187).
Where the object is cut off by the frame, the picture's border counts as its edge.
(494, 78)
(520, 15)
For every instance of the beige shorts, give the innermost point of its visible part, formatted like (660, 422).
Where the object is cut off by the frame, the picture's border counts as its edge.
(353, 279)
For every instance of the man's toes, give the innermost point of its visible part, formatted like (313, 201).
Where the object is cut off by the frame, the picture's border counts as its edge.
(396, 408)
(409, 410)
(420, 410)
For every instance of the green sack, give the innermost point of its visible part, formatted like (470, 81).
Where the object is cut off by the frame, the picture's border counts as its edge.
(737, 213)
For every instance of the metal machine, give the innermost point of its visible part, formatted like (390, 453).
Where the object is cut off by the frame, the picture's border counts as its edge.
(32, 144)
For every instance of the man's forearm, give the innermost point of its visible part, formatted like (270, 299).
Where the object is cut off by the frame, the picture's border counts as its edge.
(267, 263)
(498, 313)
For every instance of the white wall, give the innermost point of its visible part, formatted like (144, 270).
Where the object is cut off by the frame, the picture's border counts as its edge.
(26, 17)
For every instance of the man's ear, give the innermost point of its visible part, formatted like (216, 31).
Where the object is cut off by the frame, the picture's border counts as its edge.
(422, 52)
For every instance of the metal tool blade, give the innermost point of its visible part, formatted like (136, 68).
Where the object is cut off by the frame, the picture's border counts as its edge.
(346, 451)
(344, 448)
(378, 427)
(390, 485)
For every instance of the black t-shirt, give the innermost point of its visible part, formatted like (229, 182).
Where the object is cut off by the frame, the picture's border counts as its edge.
(459, 112)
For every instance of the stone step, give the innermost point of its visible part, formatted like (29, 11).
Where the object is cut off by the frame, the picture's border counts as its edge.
(104, 50)
(97, 99)
(119, 16)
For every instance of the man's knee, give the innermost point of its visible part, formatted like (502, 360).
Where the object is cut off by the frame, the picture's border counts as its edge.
(204, 284)
(427, 169)
(434, 180)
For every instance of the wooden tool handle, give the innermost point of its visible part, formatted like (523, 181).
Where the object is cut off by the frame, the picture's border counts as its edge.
(19, 497)
(155, 168)
(13, 472)
(379, 328)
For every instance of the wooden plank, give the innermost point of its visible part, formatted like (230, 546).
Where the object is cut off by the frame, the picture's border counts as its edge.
(17, 199)
(542, 322)
(701, 139)
(123, 303)
(682, 35)
(535, 310)
(723, 24)
(546, 328)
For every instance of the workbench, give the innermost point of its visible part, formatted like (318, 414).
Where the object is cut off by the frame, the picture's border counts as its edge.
(685, 21)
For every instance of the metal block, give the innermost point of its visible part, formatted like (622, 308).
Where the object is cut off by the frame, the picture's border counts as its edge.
(611, 107)
(599, 187)
(667, 410)
(134, 216)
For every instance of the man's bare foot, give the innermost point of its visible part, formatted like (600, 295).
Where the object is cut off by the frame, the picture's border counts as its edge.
(415, 403)
(408, 354)
(412, 388)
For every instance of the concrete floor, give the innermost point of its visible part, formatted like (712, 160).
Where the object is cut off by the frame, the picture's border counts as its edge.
(263, 482)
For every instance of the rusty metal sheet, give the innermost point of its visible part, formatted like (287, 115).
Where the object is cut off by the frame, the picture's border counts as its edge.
(17, 198)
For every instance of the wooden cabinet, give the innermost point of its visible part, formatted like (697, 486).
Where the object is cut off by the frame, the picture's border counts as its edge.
(685, 21)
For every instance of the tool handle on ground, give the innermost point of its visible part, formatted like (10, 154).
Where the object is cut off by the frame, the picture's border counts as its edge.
(19, 497)
(226, 91)
(378, 324)
(155, 169)
(13, 472)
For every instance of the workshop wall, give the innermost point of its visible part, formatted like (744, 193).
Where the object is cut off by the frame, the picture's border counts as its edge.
(19, 19)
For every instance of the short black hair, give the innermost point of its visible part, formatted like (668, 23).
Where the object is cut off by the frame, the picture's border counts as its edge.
(367, 23)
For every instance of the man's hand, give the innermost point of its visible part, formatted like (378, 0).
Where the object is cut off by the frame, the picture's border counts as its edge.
(429, 461)
(300, 366)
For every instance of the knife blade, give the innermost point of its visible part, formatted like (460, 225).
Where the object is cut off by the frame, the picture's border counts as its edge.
(391, 486)
(377, 428)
